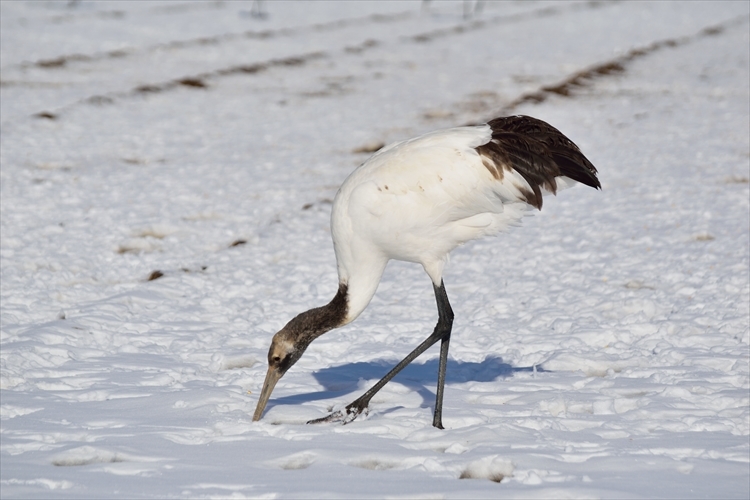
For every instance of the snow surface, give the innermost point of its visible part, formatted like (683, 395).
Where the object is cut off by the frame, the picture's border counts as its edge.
(600, 351)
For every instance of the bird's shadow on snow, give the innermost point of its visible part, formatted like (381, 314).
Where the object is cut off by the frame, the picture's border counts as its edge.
(419, 377)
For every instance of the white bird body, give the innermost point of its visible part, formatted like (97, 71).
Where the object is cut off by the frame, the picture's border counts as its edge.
(416, 201)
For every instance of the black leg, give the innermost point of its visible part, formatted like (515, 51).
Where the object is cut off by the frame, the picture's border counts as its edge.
(442, 332)
(445, 316)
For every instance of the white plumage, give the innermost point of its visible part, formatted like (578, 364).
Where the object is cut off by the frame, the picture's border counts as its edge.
(416, 201)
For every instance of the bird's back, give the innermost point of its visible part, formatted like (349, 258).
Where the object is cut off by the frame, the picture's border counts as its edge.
(417, 200)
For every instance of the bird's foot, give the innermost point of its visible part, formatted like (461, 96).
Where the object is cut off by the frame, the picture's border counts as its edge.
(336, 416)
(353, 411)
(344, 416)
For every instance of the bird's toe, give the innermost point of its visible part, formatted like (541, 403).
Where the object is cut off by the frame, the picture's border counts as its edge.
(336, 416)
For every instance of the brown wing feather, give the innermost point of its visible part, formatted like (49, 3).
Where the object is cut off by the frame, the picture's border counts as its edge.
(539, 152)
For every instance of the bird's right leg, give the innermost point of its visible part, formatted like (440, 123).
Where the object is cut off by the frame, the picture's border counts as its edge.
(442, 332)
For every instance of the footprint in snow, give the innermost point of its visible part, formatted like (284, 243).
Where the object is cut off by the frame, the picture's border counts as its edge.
(374, 463)
(86, 455)
(296, 461)
(493, 468)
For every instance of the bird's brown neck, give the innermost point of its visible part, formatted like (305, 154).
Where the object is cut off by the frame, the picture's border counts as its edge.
(332, 315)
(320, 320)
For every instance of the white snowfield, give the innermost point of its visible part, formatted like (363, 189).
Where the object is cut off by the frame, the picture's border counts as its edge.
(601, 350)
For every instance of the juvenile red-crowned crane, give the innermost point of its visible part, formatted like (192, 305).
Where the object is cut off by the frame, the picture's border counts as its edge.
(416, 201)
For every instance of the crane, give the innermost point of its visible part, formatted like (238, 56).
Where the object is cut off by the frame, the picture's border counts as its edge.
(416, 201)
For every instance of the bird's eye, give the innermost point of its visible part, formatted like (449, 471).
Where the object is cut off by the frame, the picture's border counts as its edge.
(277, 359)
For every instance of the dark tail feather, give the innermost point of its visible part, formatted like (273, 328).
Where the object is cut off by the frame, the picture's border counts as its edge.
(570, 168)
(539, 152)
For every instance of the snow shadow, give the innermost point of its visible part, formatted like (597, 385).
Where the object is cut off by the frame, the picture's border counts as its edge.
(419, 377)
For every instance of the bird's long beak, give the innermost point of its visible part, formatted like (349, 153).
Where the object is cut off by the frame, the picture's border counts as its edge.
(272, 377)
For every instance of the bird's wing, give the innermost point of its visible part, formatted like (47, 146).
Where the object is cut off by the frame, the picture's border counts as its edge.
(537, 151)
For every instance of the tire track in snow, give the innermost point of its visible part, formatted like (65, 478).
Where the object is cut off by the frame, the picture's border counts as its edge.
(194, 81)
(199, 80)
(586, 77)
(506, 18)
(464, 27)
(478, 102)
(64, 60)
(74, 15)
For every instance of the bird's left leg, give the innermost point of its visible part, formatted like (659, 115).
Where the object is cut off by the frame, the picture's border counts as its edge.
(442, 332)
(445, 315)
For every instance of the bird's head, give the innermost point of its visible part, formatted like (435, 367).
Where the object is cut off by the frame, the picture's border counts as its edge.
(290, 342)
(287, 347)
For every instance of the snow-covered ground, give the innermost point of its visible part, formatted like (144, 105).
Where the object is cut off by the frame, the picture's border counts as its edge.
(600, 351)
